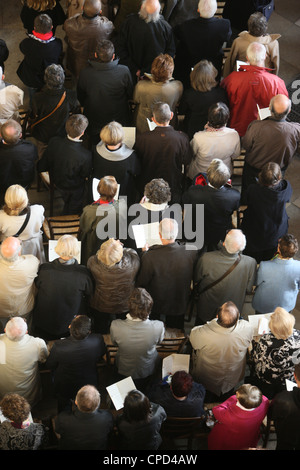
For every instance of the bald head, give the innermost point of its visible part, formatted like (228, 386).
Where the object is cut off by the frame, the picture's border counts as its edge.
(92, 7)
(11, 131)
(150, 10)
(228, 315)
(10, 248)
(235, 241)
(280, 106)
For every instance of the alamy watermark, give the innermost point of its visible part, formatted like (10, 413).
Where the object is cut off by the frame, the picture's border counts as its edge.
(120, 225)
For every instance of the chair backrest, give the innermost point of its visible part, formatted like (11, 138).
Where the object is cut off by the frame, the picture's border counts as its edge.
(55, 227)
(181, 428)
(171, 346)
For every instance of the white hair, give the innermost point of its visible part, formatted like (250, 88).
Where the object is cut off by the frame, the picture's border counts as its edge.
(256, 53)
(235, 241)
(207, 8)
(16, 328)
(149, 17)
(168, 228)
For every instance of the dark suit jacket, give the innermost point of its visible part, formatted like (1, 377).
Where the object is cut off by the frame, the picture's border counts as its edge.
(219, 204)
(162, 152)
(74, 363)
(166, 272)
(198, 39)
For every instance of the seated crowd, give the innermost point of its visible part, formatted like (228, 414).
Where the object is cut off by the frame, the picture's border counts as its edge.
(106, 287)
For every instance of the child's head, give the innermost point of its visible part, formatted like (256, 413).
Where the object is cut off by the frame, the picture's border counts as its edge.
(249, 396)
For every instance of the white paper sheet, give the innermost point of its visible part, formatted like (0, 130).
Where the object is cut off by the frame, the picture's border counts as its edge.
(146, 234)
(263, 113)
(260, 323)
(119, 390)
(151, 124)
(174, 363)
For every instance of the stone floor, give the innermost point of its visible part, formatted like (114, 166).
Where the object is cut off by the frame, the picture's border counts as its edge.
(284, 20)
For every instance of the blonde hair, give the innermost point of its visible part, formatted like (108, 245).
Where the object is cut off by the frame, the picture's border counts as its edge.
(281, 323)
(40, 5)
(67, 246)
(112, 133)
(16, 200)
(110, 252)
(203, 76)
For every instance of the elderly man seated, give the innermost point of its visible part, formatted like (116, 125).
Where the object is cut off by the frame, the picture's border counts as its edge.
(17, 274)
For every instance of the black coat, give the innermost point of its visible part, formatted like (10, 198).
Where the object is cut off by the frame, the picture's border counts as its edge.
(37, 56)
(104, 91)
(198, 39)
(219, 204)
(166, 272)
(28, 15)
(62, 292)
(74, 363)
(69, 163)
(17, 164)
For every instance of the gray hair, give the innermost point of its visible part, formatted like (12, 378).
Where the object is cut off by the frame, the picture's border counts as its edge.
(256, 53)
(16, 328)
(54, 76)
(235, 241)
(161, 112)
(218, 173)
(168, 228)
(149, 17)
(207, 8)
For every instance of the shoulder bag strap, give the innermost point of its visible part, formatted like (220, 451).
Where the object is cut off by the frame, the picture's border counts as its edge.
(222, 277)
(24, 224)
(53, 111)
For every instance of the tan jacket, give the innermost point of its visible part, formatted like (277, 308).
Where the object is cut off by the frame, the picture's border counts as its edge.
(239, 48)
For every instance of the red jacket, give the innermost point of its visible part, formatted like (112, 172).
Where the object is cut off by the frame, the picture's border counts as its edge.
(247, 88)
(236, 429)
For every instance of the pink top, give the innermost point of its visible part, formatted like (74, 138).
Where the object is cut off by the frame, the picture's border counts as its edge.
(236, 428)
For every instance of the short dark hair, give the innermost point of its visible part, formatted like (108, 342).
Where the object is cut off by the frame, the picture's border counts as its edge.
(80, 327)
(137, 407)
(140, 303)
(105, 50)
(218, 115)
(182, 383)
(43, 23)
(54, 76)
(157, 191)
(76, 124)
(288, 245)
(270, 174)
(257, 24)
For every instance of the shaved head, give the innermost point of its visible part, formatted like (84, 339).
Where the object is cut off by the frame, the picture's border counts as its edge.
(10, 248)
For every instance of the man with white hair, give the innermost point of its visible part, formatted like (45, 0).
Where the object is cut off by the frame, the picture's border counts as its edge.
(11, 98)
(17, 274)
(143, 36)
(166, 273)
(273, 139)
(212, 287)
(20, 355)
(253, 85)
(200, 38)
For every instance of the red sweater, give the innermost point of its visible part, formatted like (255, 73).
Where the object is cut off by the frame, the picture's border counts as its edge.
(236, 429)
(247, 88)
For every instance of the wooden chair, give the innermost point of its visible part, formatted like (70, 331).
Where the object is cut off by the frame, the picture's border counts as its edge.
(175, 430)
(171, 346)
(55, 227)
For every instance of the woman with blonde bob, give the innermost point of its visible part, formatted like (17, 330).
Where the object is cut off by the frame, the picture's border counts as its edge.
(204, 92)
(114, 269)
(13, 217)
(112, 156)
(157, 86)
(273, 356)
